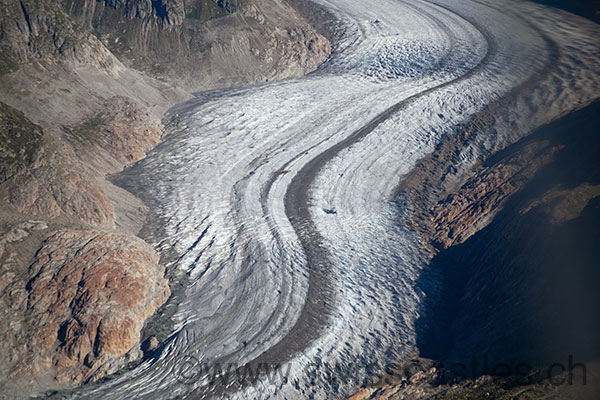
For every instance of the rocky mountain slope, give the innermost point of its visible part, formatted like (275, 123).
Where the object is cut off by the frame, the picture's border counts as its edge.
(511, 289)
(537, 257)
(83, 87)
(517, 276)
(203, 44)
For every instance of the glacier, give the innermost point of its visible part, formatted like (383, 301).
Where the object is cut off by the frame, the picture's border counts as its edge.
(279, 198)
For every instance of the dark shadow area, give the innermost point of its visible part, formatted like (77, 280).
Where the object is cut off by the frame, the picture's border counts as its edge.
(589, 9)
(526, 289)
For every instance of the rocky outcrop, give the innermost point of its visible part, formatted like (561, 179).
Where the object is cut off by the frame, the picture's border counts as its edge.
(55, 190)
(475, 204)
(432, 383)
(515, 279)
(78, 312)
(513, 286)
(90, 294)
(39, 29)
(61, 178)
(470, 208)
(117, 136)
(515, 282)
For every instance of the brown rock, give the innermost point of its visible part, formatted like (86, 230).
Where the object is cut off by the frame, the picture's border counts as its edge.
(119, 135)
(150, 344)
(562, 205)
(467, 211)
(52, 192)
(89, 298)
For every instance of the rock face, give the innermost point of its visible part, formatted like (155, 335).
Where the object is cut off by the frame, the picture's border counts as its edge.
(90, 294)
(61, 178)
(204, 44)
(468, 210)
(55, 190)
(518, 265)
(38, 29)
(523, 287)
(119, 135)
(432, 384)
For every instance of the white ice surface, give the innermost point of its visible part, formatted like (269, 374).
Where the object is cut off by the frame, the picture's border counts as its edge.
(208, 182)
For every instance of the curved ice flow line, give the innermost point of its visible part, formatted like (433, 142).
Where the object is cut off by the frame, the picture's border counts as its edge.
(388, 153)
(313, 317)
(157, 376)
(297, 211)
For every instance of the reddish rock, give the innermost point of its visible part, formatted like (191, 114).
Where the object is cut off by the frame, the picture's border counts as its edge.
(119, 135)
(89, 297)
(471, 208)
